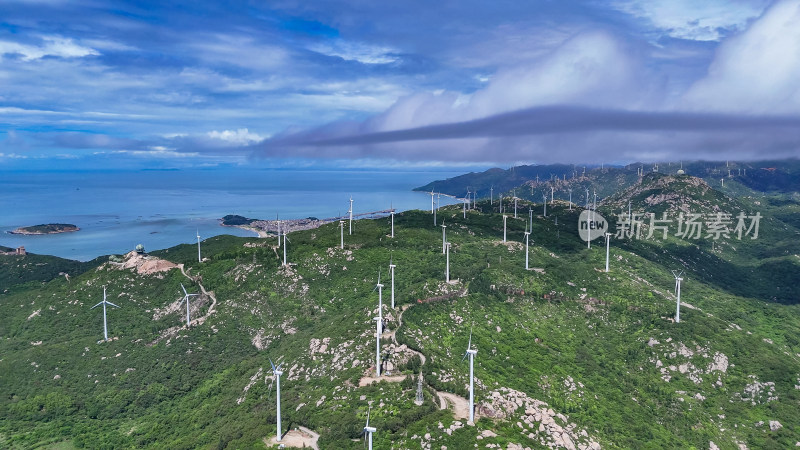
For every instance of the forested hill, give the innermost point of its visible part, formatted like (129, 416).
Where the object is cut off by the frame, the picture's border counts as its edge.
(741, 178)
(568, 355)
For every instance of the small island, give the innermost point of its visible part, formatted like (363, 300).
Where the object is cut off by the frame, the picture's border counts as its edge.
(49, 228)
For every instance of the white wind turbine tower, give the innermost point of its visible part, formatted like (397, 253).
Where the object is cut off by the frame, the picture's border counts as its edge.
(379, 288)
(465, 207)
(351, 214)
(515, 207)
(285, 239)
(530, 217)
(341, 239)
(368, 430)
(491, 195)
(591, 219)
(527, 236)
(447, 264)
(186, 296)
(608, 244)
(278, 220)
(544, 203)
(391, 270)
(104, 303)
(391, 211)
(198, 246)
(444, 237)
(552, 193)
(432, 194)
(471, 353)
(570, 198)
(505, 218)
(378, 326)
(678, 274)
(276, 370)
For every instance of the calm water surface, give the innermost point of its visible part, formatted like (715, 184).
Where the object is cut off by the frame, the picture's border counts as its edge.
(118, 209)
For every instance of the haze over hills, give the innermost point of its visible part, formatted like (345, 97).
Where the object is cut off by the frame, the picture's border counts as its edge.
(568, 356)
(741, 178)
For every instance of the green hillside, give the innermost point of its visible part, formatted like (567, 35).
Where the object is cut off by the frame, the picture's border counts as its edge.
(568, 355)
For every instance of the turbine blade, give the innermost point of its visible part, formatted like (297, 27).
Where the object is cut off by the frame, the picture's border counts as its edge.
(465, 357)
(95, 306)
(115, 306)
(271, 364)
(184, 289)
(368, 413)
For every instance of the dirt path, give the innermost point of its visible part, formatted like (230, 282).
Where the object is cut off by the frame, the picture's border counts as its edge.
(400, 324)
(210, 294)
(301, 437)
(460, 404)
(194, 322)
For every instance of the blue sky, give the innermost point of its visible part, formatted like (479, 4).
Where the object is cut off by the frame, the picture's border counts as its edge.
(93, 84)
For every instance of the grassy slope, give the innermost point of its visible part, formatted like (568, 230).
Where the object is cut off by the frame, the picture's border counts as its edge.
(183, 392)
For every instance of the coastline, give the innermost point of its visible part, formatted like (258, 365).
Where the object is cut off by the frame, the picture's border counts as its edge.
(23, 232)
(269, 228)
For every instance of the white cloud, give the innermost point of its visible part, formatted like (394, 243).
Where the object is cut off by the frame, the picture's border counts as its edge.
(242, 136)
(592, 69)
(354, 51)
(757, 71)
(705, 20)
(50, 46)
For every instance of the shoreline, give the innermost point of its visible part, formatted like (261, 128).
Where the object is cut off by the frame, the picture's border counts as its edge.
(22, 232)
(269, 228)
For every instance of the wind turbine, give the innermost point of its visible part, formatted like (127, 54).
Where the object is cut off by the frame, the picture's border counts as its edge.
(198, 246)
(530, 217)
(285, 239)
(276, 370)
(391, 270)
(186, 296)
(368, 430)
(552, 193)
(351, 214)
(505, 218)
(591, 219)
(444, 238)
(447, 266)
(465, 207)
(515, 207)
(544, 202)
(432, 201)
(471, 353)
(379, 288)
(341, 240)
(608, 243)
(491, 195)
(678, 274)
(104, 303)
(570, 198)
(391, 208)
(527, 236)
(278, 220)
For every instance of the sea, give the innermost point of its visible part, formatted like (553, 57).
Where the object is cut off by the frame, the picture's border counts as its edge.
(116, 210)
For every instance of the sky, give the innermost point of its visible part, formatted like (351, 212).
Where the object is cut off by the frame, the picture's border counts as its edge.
(414, 84)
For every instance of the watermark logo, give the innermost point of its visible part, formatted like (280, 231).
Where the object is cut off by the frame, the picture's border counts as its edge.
(591, 225)
(715, 226)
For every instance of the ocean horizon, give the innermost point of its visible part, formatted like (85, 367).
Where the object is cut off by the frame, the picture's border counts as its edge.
(118, 209)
